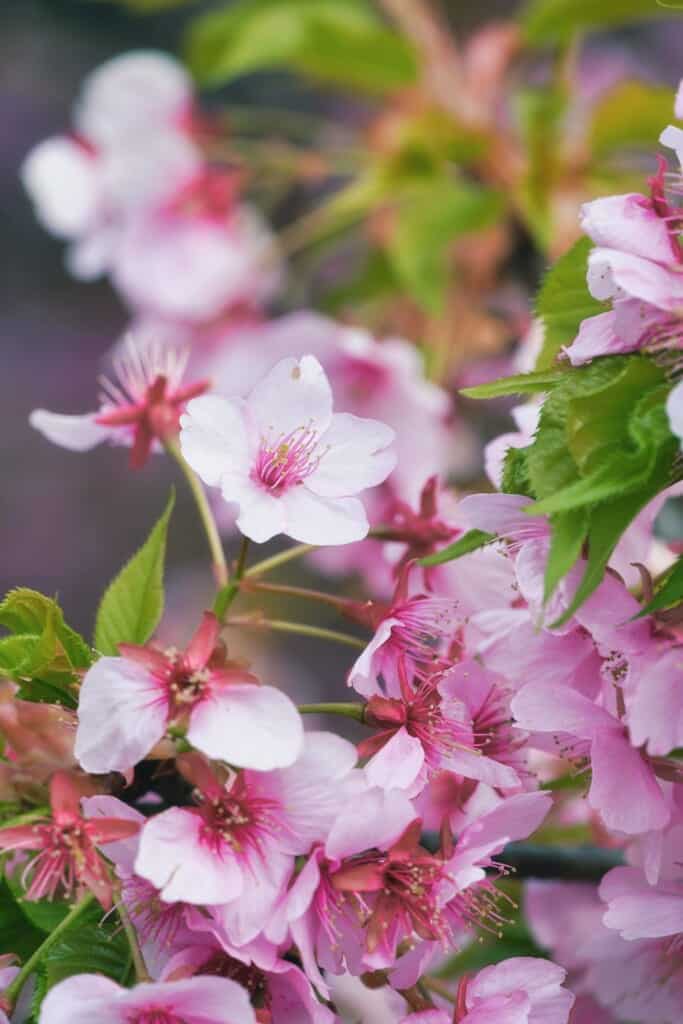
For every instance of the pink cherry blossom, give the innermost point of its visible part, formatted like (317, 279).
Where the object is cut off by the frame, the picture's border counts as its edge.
(127, 704)
(66, 846)
(414, 632)
(84, 998)
(283, 457)
(139, 408)
(638, 910)
(457, 721)
(237, 847)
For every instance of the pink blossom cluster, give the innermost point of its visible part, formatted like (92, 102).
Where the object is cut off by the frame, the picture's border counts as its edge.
(298, 869)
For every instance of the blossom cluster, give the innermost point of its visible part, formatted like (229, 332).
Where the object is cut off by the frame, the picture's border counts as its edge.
(296, 873)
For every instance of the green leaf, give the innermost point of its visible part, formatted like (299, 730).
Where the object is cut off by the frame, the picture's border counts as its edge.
(630, 115)
(472, 540)
(17, 934)
(516, 478)
(42, 914)
(134, 601)
(27, 611)
(556, 21)
(564, 301)
(569, 530)
(337, 41)
(427, 220)
(670, 592)
(540, 114)
(92, 946)
(521, 384)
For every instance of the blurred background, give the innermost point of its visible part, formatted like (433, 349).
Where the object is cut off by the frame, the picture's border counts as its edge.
(69, 521)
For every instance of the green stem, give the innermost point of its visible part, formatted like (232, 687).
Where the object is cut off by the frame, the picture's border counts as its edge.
(303, 592)
(220, 567)
(348, 710)
(302, 628)
(280, 559)
(12, 991)
(141, 972)
(227, 594)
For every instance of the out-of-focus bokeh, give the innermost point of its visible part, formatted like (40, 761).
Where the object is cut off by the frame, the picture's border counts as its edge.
(69, 521)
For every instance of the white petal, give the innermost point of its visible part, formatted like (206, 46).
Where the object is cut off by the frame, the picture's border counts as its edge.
(249, 726)
(262, 515)
(213, 438)
(173, 857)
(294, 394)
(120, 716)
(77, 433)
(60, 177)
(377, 818)
(315, 520)
(358, 456)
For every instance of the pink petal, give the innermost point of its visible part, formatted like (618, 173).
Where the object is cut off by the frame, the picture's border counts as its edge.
(77, 433)
(627, 223)
(363, 675)
(124, 851)
(624, 789)
(311, 519)
(597, 337)
(638, 910)
(175, 858)
(121, 716)
(376, 818)
(357, 455)
(398, 764)
(81, 999)
(294, 394)
(246, 725)
(199, 1000)
(557, 708)
(655, 711)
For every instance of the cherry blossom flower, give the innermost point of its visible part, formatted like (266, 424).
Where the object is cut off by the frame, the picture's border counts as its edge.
(235, 851)
(132, 145)
(66, 846)
(448, 723)
(127, 704)
(415, 632)
(140, 408)
(83, 998)
(288, 462)
(520, 990)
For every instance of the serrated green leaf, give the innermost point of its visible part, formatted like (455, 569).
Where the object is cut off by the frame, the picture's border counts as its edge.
(427, 221)
(564, 301)
(516, 479)
(569, 531)
(669, 593)
(28, 611)
(134, 601)
(337, 41)
(92, 946)
(556, 21)
(471, 541)
(520, 384)
(631, 114)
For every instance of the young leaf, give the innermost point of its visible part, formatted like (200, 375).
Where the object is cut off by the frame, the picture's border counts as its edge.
(429, 219)
(556, 21)
(564, 301)
(472, 540)
(134, 601)
(27, 611)
(338, 41)
(521, 384)
(516, 479)
(670, 593)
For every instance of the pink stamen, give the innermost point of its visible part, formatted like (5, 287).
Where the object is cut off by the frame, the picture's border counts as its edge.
(288, 461)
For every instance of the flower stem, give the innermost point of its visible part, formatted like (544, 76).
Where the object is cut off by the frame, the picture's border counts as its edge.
(226, 595)
(14, 988)
(259, 568)
(141, 972)
(303, 592)
(301, 628)
(220, 567)
(351, 709)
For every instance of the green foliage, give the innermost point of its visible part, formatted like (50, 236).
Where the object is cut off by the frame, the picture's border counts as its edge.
(91, 946)
(42, 654)
(471, 541)
(342, 42)
(540, 114)
(134, 601)
(670, 591)
(17, 934)
(602, 451)
(427, 220)
(556, 21)
(630, 115)
(564, 301)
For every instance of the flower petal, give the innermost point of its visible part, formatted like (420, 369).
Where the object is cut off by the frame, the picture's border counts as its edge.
(358, 455)
(294, 394)
(213, 437)
(315, 520)
(77, 433)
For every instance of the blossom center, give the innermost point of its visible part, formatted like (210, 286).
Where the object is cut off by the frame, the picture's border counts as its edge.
(156, 1016)
(287, 461)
